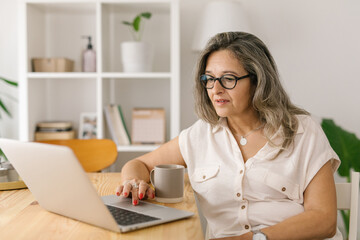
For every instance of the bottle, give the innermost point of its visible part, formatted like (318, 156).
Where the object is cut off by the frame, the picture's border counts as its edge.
(89, 57)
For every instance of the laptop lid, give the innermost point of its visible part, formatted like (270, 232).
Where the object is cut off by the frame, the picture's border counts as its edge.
(60, 185)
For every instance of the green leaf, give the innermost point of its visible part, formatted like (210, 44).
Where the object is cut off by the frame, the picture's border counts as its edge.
(2, 154)
(127, 23)
(136, 23)
(146, 15)
(9, 81)
(2, 105)
(345, 144)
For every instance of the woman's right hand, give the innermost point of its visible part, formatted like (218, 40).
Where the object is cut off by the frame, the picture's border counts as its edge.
(137, 189)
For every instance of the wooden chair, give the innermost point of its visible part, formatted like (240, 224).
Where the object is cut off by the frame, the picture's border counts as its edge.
(93, 154)
(347, 195)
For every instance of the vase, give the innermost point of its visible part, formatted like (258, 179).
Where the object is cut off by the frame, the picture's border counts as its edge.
(136, 56)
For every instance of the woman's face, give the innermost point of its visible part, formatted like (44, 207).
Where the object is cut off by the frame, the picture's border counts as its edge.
(228, 102)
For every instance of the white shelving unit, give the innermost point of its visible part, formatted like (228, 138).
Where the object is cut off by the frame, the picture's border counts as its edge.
(53, 28)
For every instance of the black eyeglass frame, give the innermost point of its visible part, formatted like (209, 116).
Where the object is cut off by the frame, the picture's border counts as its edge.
(204, 81)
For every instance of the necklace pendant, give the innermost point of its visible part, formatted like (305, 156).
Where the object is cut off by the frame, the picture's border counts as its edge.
(243, 141)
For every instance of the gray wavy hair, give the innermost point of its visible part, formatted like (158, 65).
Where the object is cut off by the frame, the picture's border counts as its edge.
(269, 98)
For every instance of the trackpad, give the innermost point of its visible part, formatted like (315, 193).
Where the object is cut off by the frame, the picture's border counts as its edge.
(125, 203)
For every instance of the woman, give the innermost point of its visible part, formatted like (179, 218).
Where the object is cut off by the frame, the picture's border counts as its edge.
(254, 159)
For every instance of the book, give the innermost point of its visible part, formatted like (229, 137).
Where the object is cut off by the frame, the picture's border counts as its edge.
(116, 124)
(126, 136)
(110, 120)
(54, 130)
(41, 136)
(148, 126)
(54, 124)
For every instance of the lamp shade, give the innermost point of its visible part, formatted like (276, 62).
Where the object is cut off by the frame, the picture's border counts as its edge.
(219, 16)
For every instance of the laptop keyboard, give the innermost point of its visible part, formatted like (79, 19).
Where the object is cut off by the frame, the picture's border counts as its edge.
(126, 217)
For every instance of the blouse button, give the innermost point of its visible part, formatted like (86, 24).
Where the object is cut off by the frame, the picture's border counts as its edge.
(241, 171)
(243, 207)
(204, 177)
(247, 227)
(238, 194)
(283, 189)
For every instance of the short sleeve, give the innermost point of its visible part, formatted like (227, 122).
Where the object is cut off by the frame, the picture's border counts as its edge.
(316, 150)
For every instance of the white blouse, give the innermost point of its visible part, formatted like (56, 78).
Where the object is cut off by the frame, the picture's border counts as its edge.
(236, 197)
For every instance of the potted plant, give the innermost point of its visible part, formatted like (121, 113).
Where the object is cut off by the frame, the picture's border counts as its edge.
(137, 55)
(347, 147)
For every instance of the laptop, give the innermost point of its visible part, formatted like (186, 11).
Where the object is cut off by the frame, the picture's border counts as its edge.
(60, 185)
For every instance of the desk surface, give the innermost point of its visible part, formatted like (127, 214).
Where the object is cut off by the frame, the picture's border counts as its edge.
(21, 217)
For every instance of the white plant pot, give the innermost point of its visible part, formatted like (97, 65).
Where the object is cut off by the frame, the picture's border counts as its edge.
(136, 56)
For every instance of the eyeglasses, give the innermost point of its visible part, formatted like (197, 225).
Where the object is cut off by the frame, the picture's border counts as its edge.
(227, 81)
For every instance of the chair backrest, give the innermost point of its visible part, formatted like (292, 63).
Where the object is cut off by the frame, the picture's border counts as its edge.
(347, 195)
(93, 154)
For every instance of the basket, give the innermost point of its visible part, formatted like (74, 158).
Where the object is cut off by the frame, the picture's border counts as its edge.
(52, 65)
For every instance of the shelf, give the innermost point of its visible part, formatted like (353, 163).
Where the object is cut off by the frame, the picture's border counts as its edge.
(94, 75)
(136, 75)
(137, 148)
(125, 6)
(50, 6)
(54, 28)
(157, 32)
(61, 75)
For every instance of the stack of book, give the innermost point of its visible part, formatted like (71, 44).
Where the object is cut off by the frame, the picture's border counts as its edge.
(54, 131)
(116, 124)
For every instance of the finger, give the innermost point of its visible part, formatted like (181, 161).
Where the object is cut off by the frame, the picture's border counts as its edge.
(135, 198)
(150, 193)
(119, 190)
(127, 189)
(143, 186)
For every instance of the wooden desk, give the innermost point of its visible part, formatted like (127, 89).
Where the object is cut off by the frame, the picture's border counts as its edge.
(21, 217)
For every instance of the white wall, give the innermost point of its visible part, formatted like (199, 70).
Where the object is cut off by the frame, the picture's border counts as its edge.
(8, 66)
(316, 45)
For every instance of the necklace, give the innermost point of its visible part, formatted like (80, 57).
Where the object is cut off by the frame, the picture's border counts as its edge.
(243, 140)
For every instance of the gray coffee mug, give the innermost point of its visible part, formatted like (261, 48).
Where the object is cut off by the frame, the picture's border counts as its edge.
(168, 181)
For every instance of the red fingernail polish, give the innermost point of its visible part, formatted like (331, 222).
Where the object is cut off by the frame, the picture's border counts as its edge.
(141, 196)
(153, 195)
(125, 194)
(135, 202)
(117, 193)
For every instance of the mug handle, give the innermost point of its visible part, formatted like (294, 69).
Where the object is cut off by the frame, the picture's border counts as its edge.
(152, 180)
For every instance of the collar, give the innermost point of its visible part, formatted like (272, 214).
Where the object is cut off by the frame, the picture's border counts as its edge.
(222, 123)
(299, 130)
